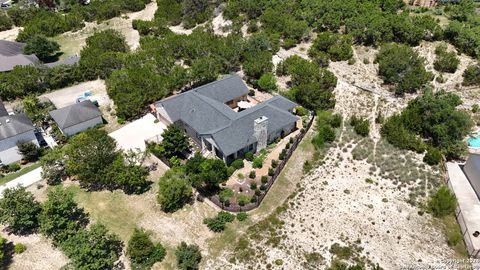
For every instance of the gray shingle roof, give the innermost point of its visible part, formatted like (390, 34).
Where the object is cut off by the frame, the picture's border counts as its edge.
(69, 61)
(225, 89)
(282, 103)
(204, 110)
(11, 48)
(12, 125)
(75, 114)
(11, 55)
(240, 133)
(472, 171)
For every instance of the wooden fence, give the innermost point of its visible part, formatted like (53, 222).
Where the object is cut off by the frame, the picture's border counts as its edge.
(237, 208)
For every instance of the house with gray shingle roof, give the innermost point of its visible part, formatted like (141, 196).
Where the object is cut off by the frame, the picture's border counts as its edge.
(210, 116)
(11, 55)
(77, 117)
(14, 129)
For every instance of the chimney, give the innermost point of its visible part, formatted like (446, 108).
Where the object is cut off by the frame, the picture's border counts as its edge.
(260, 127)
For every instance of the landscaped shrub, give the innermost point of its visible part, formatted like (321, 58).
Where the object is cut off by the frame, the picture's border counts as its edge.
(249, 156)
(263, 187)
(282, 154)
(230, 171)
(443, 202)
(225, 195)
(242, 216)
(270, 171)
(433, 156)
(237, 164)
(301, 111)
(243, 199)
(252, 174)
(257, 162)
(253, 185)
(264, 179)
(13, 167)
(274, 163)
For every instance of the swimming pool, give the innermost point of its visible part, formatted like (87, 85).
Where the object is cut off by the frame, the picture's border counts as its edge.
(474, 141)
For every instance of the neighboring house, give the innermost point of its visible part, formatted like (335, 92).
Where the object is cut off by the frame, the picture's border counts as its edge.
(77, 117)
(464, 181)
(209, 115)
(11, 55)
(14, 129)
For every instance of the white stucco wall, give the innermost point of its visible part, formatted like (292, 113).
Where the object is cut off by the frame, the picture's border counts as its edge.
(82, 126)
(8, 147)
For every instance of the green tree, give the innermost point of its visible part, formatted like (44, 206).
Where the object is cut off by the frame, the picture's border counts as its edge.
(338, 47)
(445, 61)
(471, 75)
(257, 63)
(142, 251)
(61, 217)
(433, 156)
(42, 47)
(209, 175)
(53, 166)
(129, 175)
(93, 249)
(188, 256)
(401, 67)
(19, 210)
(174, 142)
(5, 22)
(89, 155)
(463, 10)
(267, 83)
(29, 150)
(174, 190)
(100, 55)
(443, 202)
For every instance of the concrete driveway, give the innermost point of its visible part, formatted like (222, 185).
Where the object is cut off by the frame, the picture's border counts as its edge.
(25, 180)
(68, 95)
(133, 136)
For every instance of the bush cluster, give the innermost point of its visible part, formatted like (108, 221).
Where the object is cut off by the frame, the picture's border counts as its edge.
(433, 117)
(445, 61)
(218, 223)
(360, 125)
(402, 67)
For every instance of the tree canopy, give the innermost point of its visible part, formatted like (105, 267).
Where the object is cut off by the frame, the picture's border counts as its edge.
(94, 249)
(42, 47)
(402, 67)
(174, 190)
(19, 210)
(142, 251)
(434, 117)
(61, 217)
(188, 256)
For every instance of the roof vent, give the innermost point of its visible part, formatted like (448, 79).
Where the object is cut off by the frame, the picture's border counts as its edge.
(8, 120)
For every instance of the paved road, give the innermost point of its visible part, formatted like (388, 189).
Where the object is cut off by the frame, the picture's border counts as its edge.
(25, 180)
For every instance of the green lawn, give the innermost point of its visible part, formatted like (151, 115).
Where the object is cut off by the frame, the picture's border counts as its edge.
(9, 177)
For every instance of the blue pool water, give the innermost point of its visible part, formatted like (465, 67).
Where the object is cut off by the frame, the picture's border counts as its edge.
(474, 141)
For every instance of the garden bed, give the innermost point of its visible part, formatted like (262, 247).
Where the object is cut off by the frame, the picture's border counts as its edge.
(248, 185)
